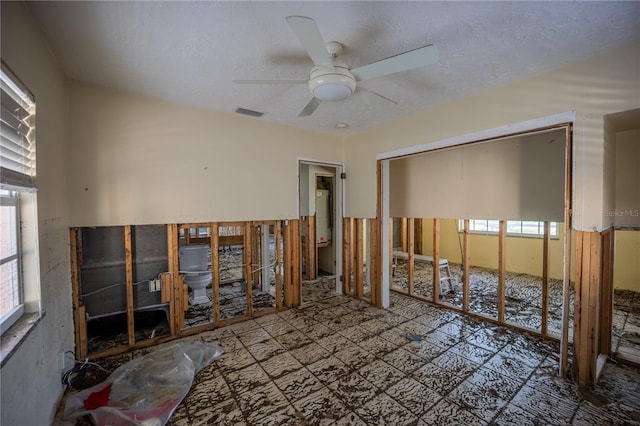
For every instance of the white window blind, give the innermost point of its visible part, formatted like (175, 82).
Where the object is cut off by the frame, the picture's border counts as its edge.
(17, 147)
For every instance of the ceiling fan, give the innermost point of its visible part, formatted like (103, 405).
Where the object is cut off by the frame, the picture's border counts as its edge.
(334, 81)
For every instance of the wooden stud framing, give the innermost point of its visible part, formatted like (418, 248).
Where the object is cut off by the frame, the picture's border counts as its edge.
(129, 273)
(417, 249)
(312, 261)
(278, 236)
(292, 262)
(587, 310)
(606, 292)
(465, 263)
(166, 296)
(545, 279)
(436, 259)
(359, 260)
(403, 233)
(287, 264)
(502, 257)
(297, 264)
(410, 252)
(215, 270)
(375, 252)
(79, 312)
(174, 267)
(83, 343)
(248, 257)
(391, 271)
(346, 255)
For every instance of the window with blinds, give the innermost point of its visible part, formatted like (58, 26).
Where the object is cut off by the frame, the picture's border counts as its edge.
(17, 185)
(17, 147)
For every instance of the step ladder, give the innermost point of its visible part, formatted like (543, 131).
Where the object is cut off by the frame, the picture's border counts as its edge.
(444, 265)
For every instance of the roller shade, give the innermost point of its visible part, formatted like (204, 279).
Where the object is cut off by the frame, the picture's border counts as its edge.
(517, 178)
(17, 148)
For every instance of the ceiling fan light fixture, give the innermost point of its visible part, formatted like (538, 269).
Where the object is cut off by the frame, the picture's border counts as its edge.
(331, 92)
(332, 84)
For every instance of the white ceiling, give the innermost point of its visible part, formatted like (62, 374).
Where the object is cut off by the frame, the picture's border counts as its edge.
(189, 52)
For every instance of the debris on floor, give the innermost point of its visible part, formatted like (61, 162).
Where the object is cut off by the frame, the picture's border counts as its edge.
(145, 390)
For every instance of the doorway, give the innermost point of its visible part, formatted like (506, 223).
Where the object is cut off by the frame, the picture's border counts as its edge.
(320, 212)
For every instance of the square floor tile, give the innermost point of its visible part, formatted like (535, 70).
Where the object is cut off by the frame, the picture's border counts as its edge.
(354, 356)
(279, 365)
(293, 339)
(328, 369)
(381, 374)
(310, 353)
(508, 366)
(298, 384)
(235, 360)
(377, 346)
(446, 413)
(457, 364)
(246, 379)
(278, 327)
(316, 331)
(439, 379)
(355, 333)
(495, 383)
(404, 361)
(351, 419)
(413, 395)
(256, 335)
(472, 352)
(425, 349)
(383, 410)
(333, 343)
(261, 402)
(514, 415)
(549, 407)
(226, 413)
(321, 407)
(480, 401)
(353, 390)
(266, 349)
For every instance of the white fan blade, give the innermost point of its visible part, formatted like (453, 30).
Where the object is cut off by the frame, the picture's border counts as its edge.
(371, 92)
(309, 108)
(417, 58)
(271, 81)
(309, 35)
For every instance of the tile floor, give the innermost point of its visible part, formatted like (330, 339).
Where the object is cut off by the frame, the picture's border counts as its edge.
(339, 361)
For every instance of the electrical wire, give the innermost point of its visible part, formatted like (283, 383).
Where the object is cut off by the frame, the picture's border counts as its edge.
(74, 377)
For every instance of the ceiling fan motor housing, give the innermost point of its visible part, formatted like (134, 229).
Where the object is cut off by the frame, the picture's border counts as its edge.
(332, 84)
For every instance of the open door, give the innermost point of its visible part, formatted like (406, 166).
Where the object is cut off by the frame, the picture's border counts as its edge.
(320, 207)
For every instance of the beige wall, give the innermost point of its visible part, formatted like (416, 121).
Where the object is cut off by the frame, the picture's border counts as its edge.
(137, 160)
(31, 377)
(626, 267)
(594, 87)
(627, 178)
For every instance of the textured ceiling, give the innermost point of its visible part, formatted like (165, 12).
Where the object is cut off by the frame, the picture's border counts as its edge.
(189, 52)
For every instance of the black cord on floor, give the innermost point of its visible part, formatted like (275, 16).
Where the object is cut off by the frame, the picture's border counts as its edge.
(75, 376)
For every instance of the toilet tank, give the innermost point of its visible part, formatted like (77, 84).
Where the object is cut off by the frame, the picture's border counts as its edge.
(194, 257)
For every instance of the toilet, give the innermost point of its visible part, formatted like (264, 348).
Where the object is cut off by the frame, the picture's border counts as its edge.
(195, 258)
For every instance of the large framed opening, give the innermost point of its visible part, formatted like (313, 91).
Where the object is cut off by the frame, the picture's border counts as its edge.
(466, 197)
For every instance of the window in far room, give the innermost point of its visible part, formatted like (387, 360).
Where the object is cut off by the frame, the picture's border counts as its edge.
(522, 228)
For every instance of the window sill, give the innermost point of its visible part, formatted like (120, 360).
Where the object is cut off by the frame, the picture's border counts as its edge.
(13, 338)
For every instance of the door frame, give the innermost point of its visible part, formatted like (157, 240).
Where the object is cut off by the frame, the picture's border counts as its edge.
(566, 119)
(338, 208)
